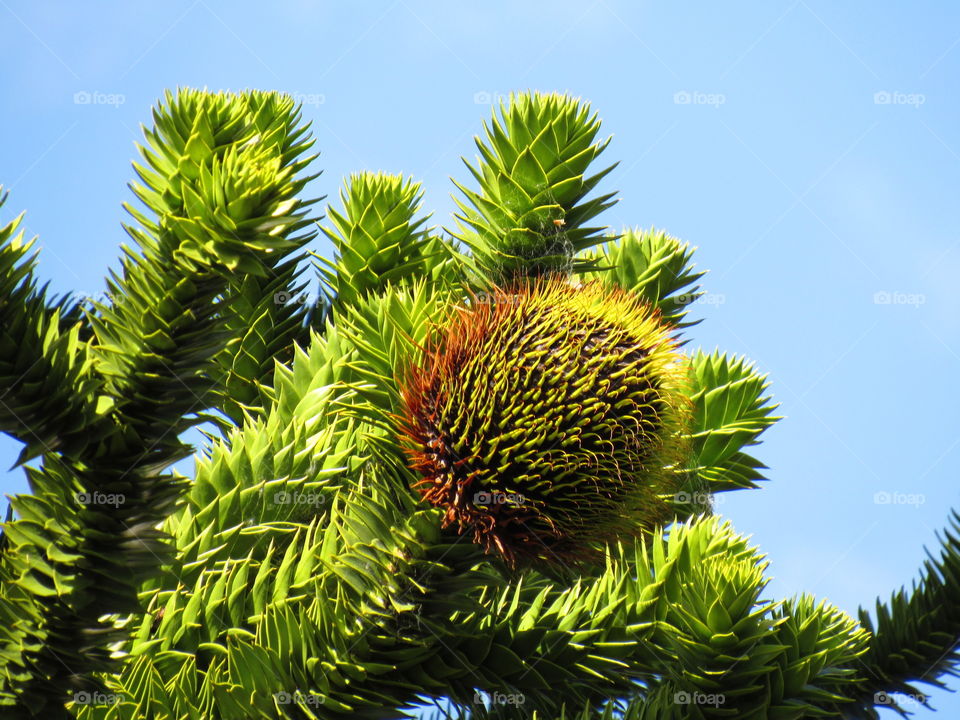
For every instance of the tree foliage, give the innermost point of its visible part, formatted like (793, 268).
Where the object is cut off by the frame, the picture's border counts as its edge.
(299, 573)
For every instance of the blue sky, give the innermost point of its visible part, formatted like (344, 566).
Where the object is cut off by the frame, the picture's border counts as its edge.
(811, 150)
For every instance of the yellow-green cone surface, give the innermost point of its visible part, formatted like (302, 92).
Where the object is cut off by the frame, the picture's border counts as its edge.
(545, 417)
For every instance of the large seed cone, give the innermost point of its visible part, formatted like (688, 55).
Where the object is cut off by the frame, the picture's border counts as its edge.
(546, 417)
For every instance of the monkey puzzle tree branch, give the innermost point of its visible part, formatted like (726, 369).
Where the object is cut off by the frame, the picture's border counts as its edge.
(154, 345)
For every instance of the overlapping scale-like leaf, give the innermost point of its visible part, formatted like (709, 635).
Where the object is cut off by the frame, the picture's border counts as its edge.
(913, 636)
(531, 212)
(379, 239)
(653, 264)
(221, 175)
(48, 391)
(731, 408)
(817, 673)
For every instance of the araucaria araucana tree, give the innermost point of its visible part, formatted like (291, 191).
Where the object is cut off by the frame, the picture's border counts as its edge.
(478, 470)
